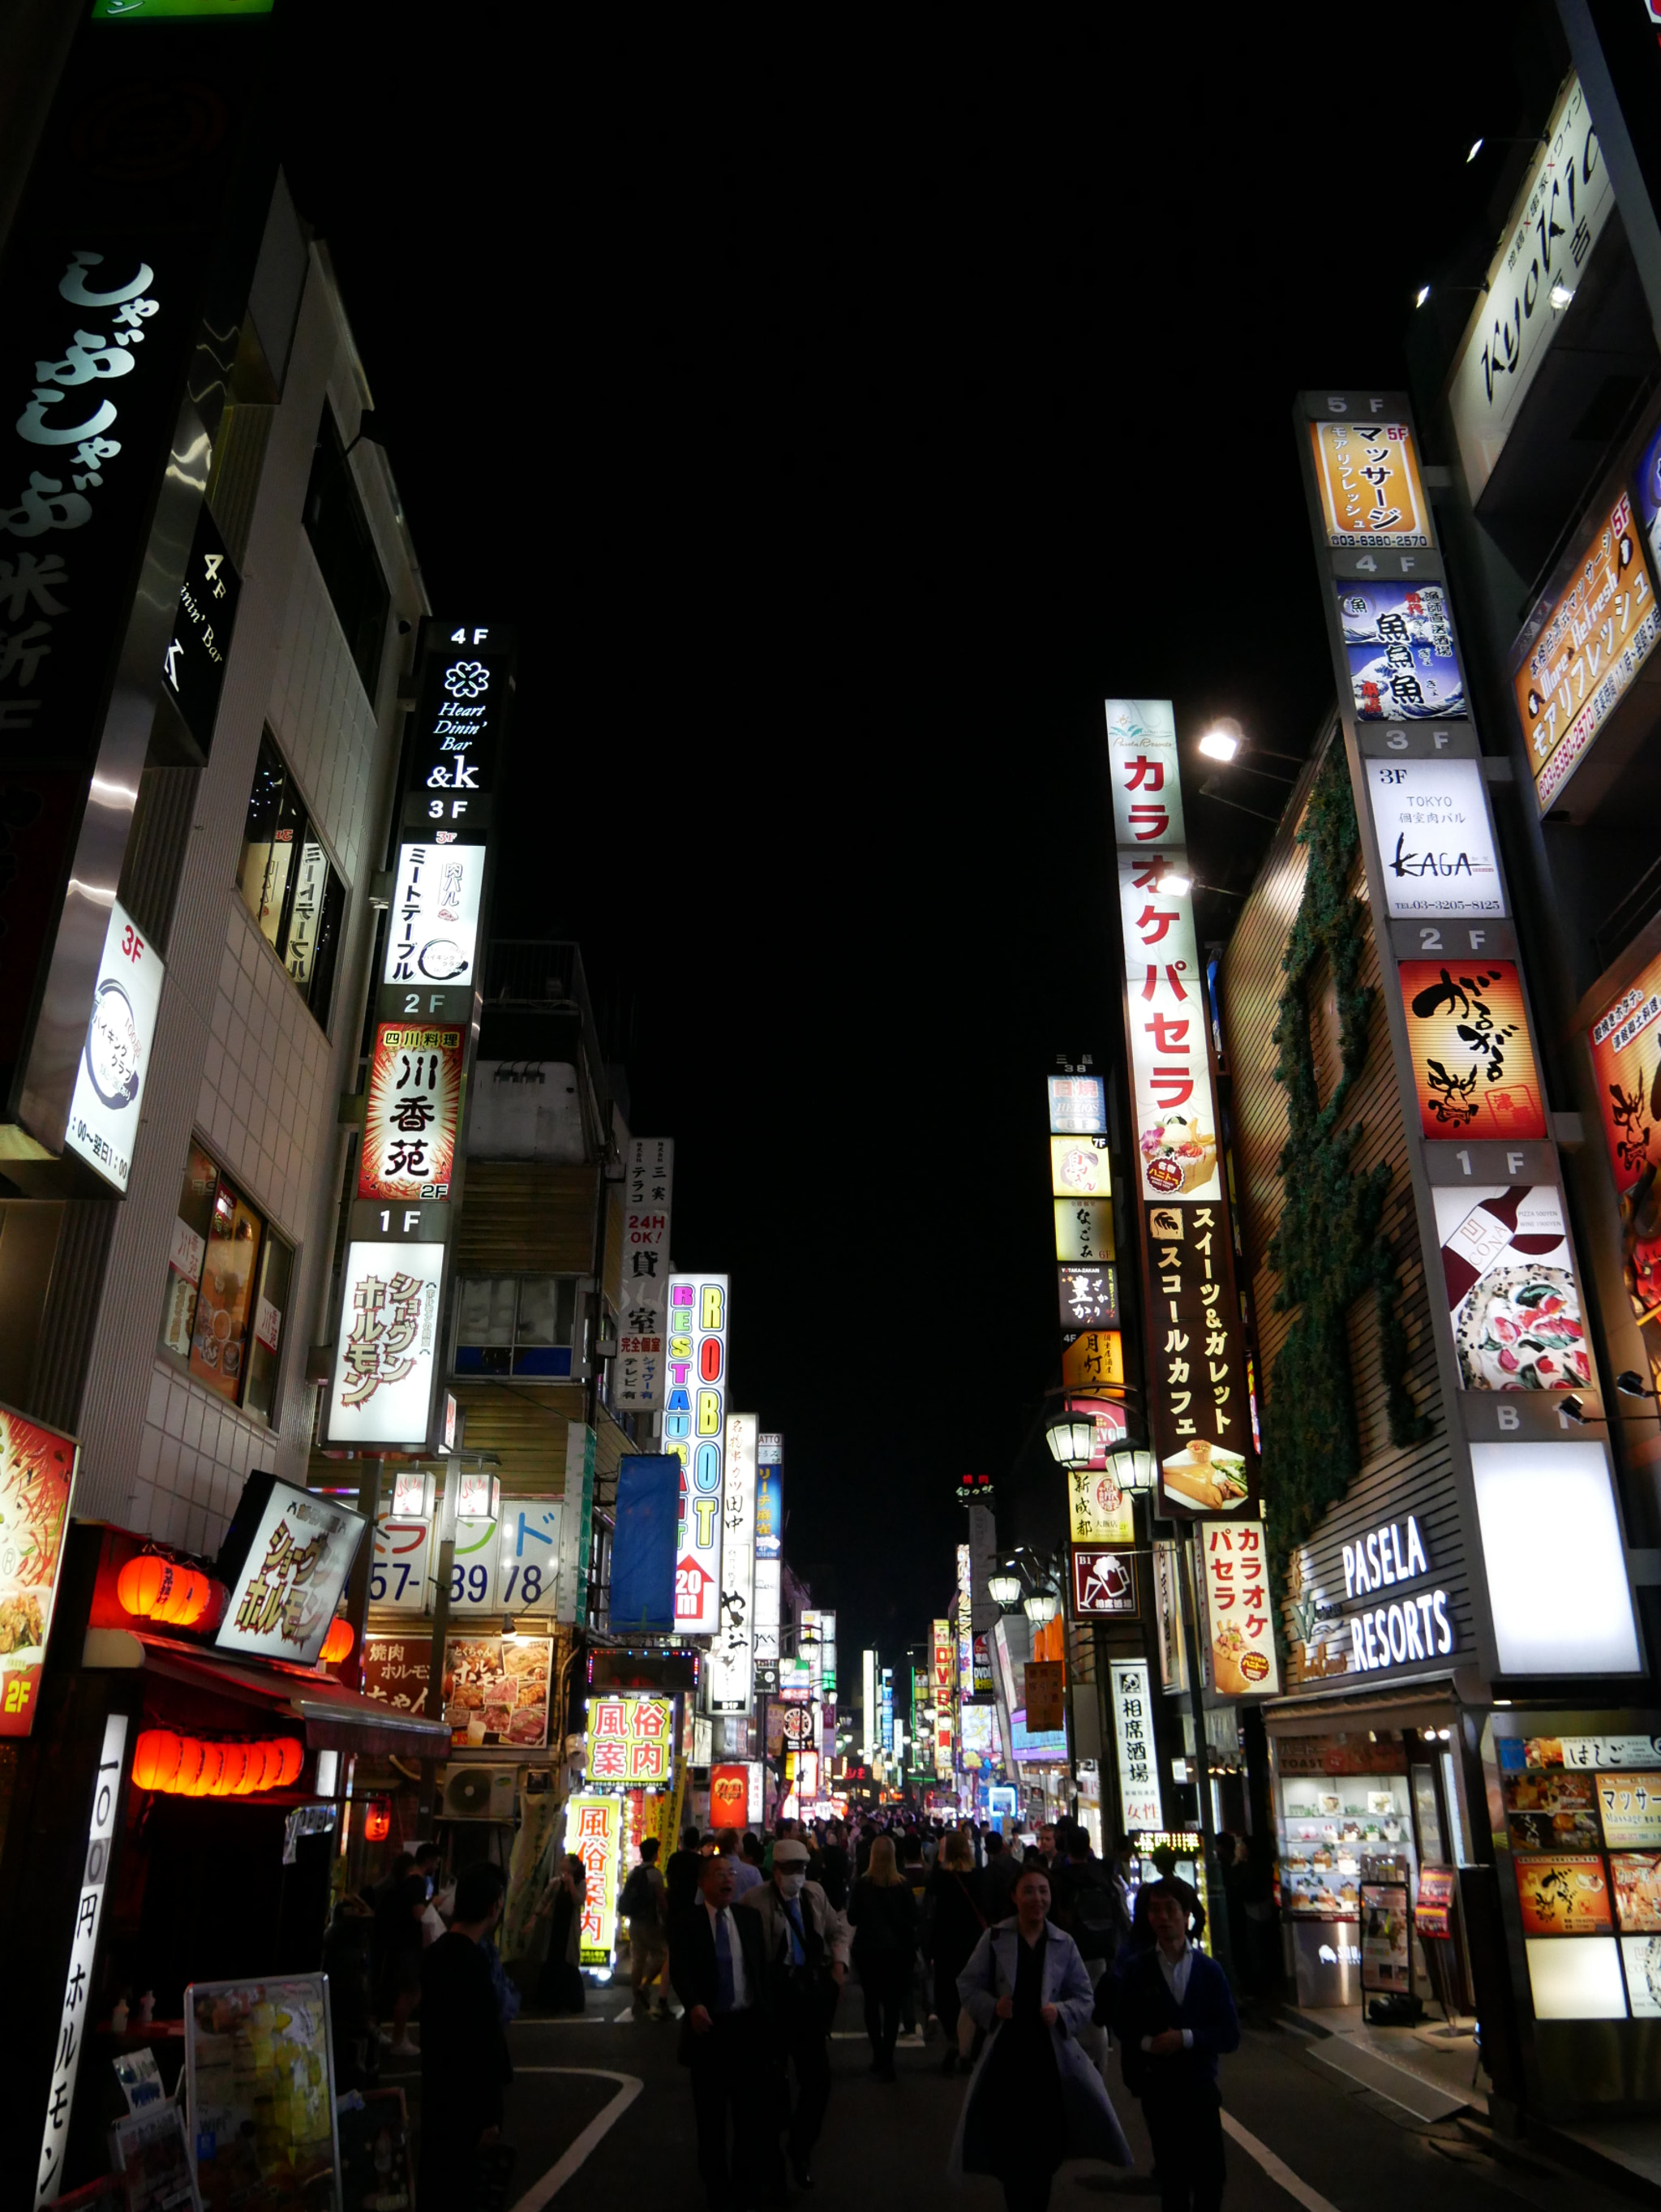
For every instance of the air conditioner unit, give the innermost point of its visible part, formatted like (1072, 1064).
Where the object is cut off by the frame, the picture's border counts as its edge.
(476, 1793)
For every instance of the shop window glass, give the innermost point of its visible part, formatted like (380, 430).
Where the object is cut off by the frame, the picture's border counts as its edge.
(515, 1325)
(345, 550)
(228, 1287)
(288, 884)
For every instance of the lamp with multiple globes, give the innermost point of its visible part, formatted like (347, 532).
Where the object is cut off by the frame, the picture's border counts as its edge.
(1040, 1606)
(1004, 1590)
(1131, 1467)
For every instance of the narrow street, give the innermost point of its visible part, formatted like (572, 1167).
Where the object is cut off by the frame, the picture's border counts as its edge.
(602, 2113)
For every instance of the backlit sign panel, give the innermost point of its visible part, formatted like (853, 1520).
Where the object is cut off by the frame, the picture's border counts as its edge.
(732, 1655)
(630, 1741)
(285, 1561)
(411, 1114)
(643, 1298)
(1435, 839)
(382, 1389)
(694, 1433)
(433, 939)
(593, 1833)
(1140, 1804)
(109, 1081)
(37, 1478)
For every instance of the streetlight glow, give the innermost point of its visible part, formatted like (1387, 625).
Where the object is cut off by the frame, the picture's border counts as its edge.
(1475, 148)
(1424, 293)
(1220, 744)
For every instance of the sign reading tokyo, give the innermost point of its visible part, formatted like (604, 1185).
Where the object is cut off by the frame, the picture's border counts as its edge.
(694, 1433)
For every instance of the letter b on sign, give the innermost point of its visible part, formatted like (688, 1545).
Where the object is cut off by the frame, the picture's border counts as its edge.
(709, 1412)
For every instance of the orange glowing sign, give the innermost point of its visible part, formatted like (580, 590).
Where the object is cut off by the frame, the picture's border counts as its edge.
(1367, 475)
(1473, 1060)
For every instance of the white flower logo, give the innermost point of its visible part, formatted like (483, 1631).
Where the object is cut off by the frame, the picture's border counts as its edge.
(467, 679)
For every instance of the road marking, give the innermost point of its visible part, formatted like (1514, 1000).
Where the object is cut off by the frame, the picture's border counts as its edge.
(1276, 2168)
(558, 2175)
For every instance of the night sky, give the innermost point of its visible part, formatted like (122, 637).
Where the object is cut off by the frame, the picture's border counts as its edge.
(840, 426)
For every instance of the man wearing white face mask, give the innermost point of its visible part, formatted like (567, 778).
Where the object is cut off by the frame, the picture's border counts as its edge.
(807, 1942)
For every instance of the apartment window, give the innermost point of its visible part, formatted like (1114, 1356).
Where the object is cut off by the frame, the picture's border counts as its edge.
(229, 1280)
(345, 550)
(515, 1324)
(288, 884)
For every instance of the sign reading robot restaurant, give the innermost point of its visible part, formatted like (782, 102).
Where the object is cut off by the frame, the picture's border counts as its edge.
(1200, 1411)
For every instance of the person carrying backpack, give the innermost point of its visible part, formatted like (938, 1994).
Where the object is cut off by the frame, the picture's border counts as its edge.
(643, 1904)
(1089, 1905)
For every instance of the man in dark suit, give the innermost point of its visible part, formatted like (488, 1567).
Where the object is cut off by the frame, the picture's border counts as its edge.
(718, 1964)
(1172, 2008)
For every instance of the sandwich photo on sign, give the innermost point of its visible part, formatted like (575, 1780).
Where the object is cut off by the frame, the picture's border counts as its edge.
(1512, 1295)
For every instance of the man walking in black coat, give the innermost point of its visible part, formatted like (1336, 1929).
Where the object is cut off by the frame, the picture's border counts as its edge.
(718, 1963)
(1173, 2011)
(464, 2065)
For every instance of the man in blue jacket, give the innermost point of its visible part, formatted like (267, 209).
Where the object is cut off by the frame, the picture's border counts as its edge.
(1174, 2013)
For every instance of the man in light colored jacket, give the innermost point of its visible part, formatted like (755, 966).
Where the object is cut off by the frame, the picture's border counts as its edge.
(807, 1941)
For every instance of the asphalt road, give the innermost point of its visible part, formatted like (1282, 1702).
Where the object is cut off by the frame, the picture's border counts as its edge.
(588, 2135)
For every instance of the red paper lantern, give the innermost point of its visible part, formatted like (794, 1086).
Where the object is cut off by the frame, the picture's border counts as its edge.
(233, 1767)
(192, 1752)
(206, 1781)
(155, 1759)
(145, 1585)
(188, 1600)
(337, 1643)
(377, 1821)
(292, 1753)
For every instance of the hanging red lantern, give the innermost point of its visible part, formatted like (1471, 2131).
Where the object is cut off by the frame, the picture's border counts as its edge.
(207, 1777)
(377, 1821)
(337, 1643)
(145, 1585)
(155, 1759)
(188, 1600)
(292, 1757)
(234, 1766)
(191, 1752)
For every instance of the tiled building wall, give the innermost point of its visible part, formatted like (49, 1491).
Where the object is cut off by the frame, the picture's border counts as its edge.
(239, 1061)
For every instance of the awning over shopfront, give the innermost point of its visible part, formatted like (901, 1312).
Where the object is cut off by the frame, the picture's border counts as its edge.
(1429, 1704)
(333, 1717)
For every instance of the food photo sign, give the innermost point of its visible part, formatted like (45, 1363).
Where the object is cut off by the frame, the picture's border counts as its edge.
(37, 1478)
(495, 1690)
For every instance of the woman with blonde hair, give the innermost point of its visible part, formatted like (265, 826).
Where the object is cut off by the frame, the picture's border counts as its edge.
(957, 1919)
(883, 1912)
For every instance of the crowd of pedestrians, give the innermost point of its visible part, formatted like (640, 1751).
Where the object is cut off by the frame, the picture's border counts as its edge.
(1027, 1961)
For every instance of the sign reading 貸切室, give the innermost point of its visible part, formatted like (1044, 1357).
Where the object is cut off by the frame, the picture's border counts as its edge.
(412, 1111)
(1531, 281)
(1140, 1804)
(642, 1324)
(108, 1098)
(285, 1560)
(433, 935)
(382, 1390)
(1435, 838)
(694, 1433)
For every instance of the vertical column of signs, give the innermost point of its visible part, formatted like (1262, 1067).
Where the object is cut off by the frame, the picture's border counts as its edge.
(1507, 1312)
(942, 1642)
(389, 1360)
(769, 1555)
(732, 1654)
(643, 1300)
(1199, 1410)
(694, 1433)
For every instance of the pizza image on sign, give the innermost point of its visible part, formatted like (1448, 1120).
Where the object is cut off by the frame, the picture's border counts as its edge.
(1512, 1295)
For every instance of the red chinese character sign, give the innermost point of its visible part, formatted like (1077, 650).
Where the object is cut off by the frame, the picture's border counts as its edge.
(631, 1742)
(1238, 1609)
(410, 1118)
(37, 1473)
(1104, 1584)
(593, 1833)
(729, 1796)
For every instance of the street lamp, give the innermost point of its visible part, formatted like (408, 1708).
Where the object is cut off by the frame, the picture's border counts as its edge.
(1071, 1439)
(1004, 1590)
(1131, 1467)
(1040, 1606)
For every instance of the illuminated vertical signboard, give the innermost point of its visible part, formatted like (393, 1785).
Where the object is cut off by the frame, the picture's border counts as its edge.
(944, 1668)
(769, 1557)
(79, 1985)
(411, 1113)
(643, 1298)
(868, 1709)
(1200, 1411)
(1140, 1804)
(593, 1833)
(694, 1433)
(732, 1655)
(37, 1482)
(1509, 1335)
(106, 1104)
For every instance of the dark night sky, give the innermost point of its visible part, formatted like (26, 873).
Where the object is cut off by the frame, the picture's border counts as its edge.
(839, 426)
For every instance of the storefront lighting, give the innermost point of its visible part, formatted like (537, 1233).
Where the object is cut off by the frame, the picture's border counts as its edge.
(412, 1494)
(1004, 1590)
(1175, 884)
(1040, 1606)
(1221, 743)
(337, 1643)
(1631, 1384)
(1560, 296)
(153, 1587)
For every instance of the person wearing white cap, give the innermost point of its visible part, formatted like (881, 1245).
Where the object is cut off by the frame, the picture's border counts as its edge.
(806, 1941)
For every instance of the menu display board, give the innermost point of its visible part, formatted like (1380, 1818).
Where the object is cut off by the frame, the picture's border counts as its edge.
(495, 1690)
(1563, 1894)
(261, 2094)
(37, 1475)
(1432, 1912)
(1386, 1956)
(1637, 1878)
(1630, 1805)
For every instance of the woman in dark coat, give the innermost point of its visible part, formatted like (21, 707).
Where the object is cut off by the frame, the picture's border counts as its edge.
(883, 1912)
(957, 1921)
(560, 1985)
